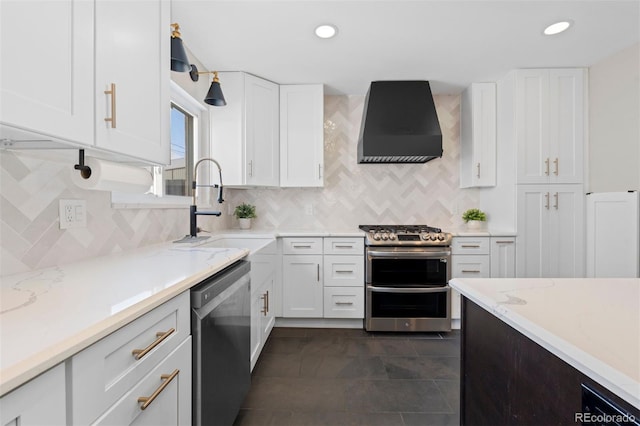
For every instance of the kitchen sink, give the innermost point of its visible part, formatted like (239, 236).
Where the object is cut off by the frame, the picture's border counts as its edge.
(253, 243)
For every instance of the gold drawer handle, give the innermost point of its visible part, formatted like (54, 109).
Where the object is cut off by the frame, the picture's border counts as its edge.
(344, 303)
(147, 400)
(139, 353)
(112, 92)
(504, 242)
(469, 246)
(470, 271)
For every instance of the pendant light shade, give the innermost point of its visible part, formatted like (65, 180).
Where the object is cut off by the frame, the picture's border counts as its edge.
(214, 95)
(179, 59)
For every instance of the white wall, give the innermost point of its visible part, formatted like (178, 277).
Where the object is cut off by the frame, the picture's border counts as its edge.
(614, 122)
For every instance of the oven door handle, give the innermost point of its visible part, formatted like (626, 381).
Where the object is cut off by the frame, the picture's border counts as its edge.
(373, 254)
(408, 289)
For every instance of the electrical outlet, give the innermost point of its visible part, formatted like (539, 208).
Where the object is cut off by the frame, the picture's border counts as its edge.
(73, 214)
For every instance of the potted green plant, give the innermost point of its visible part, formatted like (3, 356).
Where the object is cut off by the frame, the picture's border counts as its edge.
(245, 212)
(474, 218)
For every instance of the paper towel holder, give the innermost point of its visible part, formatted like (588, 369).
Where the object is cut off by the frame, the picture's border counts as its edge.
(85, 171)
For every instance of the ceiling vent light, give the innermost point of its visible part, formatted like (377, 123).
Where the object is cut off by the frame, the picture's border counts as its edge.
(557, 28)
(326, 31)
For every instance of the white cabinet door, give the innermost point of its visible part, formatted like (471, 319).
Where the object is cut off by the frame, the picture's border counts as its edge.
(46, 83)
(503, 257)
(550, 111)
(132, 56)
(478, 133)
(42, 401)
(550, 231)
(245, 133)
(344, 302)
(263, 132)
(468, 265)
(302, 289)
(301, 135)
(262, 317)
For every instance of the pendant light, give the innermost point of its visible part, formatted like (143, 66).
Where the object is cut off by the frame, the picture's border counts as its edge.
(214, 95)
(179, 59)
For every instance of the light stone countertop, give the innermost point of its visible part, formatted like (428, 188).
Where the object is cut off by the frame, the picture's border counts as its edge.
(48, 315)
(593, 324)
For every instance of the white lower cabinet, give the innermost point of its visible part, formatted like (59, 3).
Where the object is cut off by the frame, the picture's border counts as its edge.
(162, 397)
(42, 401)
(469, 259)
(503, 257)
(323, 277)
(132, 360)
(263, 276)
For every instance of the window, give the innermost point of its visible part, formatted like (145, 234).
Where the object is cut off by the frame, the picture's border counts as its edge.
(176, 177)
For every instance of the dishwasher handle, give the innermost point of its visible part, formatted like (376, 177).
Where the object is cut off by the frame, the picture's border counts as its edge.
(207, 290)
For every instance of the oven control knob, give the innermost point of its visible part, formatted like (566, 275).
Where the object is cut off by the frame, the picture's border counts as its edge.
(424, 236)
(385, 237)
(392, 236)
(440, 237)
(376, 236)
(433, 237)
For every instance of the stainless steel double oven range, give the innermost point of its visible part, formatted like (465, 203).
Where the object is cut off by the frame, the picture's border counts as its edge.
(407, 270)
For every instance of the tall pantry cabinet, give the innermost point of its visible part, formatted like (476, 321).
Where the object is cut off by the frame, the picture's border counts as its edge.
(548, 129)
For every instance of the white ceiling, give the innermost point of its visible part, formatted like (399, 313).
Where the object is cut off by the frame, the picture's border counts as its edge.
(452, 43)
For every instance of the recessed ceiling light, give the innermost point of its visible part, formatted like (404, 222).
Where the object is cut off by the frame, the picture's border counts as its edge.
(557, 28)
(326, 31)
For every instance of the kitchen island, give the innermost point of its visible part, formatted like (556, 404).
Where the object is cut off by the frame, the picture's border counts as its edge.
(529, 344)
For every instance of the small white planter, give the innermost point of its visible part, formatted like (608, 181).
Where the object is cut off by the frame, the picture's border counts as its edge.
(476, 225)
(245, 223)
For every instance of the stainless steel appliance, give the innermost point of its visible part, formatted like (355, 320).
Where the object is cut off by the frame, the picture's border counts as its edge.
(407, 270)
(221, 329)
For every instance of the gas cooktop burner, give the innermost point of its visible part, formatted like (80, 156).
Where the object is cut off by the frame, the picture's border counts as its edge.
(405, 235)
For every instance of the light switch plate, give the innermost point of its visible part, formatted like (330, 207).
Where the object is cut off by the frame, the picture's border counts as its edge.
(73, 214)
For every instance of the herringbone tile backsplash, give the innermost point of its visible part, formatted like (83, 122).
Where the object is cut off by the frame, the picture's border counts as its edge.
(355, 194)
(31, 185)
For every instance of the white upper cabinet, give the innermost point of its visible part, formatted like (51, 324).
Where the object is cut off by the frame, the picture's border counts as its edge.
(478, 136)
(301, 135)
(46, 83)
(550, 120)
(132, 56)
(124, 44)
(245, 133)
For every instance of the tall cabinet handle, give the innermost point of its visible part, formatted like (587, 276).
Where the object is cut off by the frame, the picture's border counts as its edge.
(112, 92)
(478, 171)
(555, 196)
(147, 400)
(318, 272)
(250, 167)
(546, 167)
(546, 204)
(555, 162)
(319, 171)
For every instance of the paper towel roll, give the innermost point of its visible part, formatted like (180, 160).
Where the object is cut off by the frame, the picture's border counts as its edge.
(108, 176)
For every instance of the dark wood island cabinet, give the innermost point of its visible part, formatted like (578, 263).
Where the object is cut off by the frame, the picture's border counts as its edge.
(507, 379)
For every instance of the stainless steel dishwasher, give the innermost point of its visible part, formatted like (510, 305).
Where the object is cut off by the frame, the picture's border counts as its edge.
(221, 329)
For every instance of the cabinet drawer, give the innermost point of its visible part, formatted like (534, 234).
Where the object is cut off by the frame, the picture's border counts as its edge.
(470, 266)
(344, 302)
(302, 245)
(106, 370)
(172, 405)
(343, 271)
(344, 245)
(470, 245)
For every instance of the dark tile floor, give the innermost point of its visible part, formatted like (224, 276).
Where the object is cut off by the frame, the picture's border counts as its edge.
(351, 377)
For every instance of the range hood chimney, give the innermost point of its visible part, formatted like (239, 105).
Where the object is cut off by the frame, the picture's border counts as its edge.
(399, 124)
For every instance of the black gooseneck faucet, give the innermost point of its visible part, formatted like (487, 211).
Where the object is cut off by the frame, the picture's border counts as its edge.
(193, 210)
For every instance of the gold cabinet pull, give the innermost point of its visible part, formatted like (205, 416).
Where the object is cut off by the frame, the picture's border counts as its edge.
(319, 171)
(555, 162)
(546, 204)
(139, 353)
(250, 167)
(505, 242)
(147, 400)
(112, 92)
(265, 304)
(478, 171)
(469, 246)
(555, 196)
(546, 167)
(344, 303)
(470, 271)
(318, 272)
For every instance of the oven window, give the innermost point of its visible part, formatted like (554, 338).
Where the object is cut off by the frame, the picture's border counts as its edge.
(409, 305)
(408, 272)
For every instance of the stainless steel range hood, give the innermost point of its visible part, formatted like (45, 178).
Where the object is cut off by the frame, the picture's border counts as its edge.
(399, 124)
